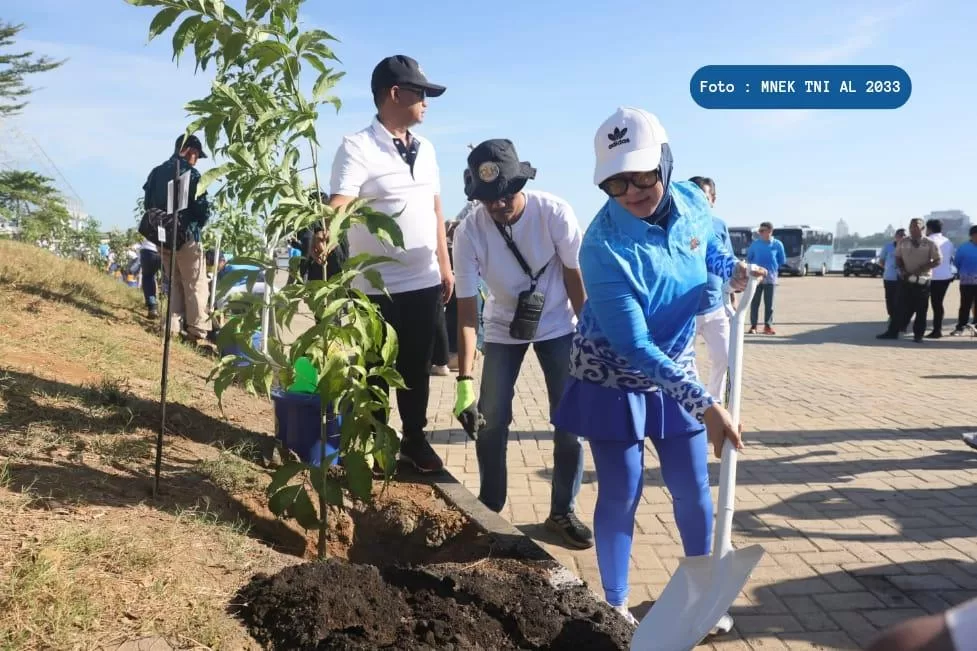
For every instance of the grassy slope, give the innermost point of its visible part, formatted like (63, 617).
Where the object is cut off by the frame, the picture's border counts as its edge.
(89, 558)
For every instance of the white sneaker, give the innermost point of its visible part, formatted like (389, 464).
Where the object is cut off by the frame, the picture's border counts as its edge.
(970, 438)
(440, 371)
(725, 624)
(624, 612)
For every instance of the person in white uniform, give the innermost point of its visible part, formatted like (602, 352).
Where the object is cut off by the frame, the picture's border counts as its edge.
(712, 322)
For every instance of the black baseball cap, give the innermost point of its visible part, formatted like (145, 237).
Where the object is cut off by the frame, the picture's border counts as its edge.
(495, 171)
(401, 70)
(191, 141)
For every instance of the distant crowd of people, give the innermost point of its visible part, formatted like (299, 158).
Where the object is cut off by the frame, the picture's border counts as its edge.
(917, 276)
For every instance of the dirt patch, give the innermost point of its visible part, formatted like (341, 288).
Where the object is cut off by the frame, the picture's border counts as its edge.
(410, 571)
(496, 604)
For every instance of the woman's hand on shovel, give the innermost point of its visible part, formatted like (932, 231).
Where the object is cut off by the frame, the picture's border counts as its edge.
(719, 427)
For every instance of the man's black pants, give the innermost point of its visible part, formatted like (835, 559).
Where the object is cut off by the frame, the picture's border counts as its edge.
(413, 316)
(937, 294)
(913, 301)
(891, 297)
(968, 300)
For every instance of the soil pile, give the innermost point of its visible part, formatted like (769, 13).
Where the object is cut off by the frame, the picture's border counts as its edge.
(490, 605)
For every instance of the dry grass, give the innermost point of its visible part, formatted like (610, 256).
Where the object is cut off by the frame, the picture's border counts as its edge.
(94, 584)
(231, 471)
(87, 559)
(52, 278)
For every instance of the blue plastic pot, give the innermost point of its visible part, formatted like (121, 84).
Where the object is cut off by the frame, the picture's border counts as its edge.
(233, 349)
(298, 418)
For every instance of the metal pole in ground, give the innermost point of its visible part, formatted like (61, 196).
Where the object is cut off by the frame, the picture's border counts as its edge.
(166, 331)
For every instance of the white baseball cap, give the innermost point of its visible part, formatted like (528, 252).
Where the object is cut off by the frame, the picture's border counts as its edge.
(629, 141)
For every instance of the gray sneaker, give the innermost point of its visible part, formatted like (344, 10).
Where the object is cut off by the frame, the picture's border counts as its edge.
(574, 532)
(970, 438)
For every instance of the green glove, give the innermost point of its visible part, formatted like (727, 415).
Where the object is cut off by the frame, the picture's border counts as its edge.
(466, 410)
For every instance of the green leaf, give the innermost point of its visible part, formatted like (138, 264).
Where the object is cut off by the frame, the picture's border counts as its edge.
(163, 20)
(209, 177)
(284, 475)
(303, 510)
(359, 473)
(184, 33)
(204, 40)
(233, 46)
(284, 498)
(322, 85)
(315, 62)
(390, 345)
(257, 9)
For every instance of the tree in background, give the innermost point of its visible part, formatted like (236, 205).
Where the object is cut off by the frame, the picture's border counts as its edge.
(121, 241)
(82, 241)
(23, 193)
(31, 201)
(14, 67)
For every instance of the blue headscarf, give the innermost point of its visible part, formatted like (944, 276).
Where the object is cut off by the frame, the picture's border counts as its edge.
(664, 209)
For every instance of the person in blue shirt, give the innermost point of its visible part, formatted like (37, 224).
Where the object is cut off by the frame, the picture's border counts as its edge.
(645, 259)
(712, 321)
(767, 252)
(966, 261)
(890, 273)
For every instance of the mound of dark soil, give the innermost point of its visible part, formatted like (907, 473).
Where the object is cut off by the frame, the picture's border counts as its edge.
(490, 605)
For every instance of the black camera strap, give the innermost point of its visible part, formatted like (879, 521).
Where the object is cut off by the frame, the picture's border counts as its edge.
(522, 261)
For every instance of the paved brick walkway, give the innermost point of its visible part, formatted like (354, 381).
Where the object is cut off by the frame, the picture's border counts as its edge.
(855, 480)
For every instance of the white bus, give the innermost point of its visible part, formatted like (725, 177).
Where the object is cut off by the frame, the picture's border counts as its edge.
(808, 249)
(741, 237)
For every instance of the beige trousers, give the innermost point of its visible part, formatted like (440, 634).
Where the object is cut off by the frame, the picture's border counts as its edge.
(189, 290)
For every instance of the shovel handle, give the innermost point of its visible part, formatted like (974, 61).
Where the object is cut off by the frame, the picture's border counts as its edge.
(727, 468)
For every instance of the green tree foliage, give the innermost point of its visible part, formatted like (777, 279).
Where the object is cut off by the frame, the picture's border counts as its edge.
(257, 119)
(23, 193)
(14, 68)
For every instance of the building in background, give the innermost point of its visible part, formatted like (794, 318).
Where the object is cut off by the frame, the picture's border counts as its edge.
(841, 230)
(956, 224)
(890, 231)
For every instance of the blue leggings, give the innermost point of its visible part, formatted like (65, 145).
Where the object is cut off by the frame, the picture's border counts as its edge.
(620, 466)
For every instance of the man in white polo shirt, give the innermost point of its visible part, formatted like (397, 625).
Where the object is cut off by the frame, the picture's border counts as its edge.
(524, 247)
(397, 170)
(942, 275)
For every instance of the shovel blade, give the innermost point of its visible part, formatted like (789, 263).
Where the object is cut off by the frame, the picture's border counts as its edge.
(699, 593)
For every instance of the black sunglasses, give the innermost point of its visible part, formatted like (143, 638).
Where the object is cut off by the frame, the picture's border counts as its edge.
(617, 186)
(420, 92)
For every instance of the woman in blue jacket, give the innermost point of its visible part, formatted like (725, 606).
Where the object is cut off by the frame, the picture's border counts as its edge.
(644, 260)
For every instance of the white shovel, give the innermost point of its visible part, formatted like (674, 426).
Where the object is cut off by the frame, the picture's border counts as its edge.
(704, 587)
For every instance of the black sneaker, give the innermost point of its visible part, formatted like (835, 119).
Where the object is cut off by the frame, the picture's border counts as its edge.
(887, 335)
(936, 334)
(574, 532)
(153, 313)
(418, 452)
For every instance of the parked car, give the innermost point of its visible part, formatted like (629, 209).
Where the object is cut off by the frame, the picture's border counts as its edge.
(864, 262)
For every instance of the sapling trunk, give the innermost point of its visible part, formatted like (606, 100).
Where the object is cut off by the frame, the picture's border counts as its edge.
(323, 510)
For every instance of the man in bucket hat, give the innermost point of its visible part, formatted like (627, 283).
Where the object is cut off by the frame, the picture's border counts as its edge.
(523, 245)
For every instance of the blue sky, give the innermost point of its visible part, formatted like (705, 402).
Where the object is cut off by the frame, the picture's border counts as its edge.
(545, 74)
